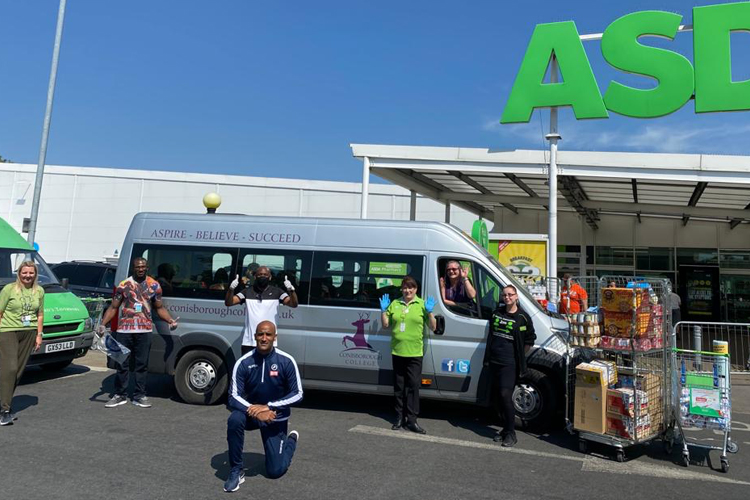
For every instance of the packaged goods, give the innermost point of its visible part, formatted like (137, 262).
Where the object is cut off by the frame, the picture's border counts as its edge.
(651, 383)
(610, 367)
(625, 300)
(620, 324)
(628, 428)
(624, 401)
(590, 374)
(590, 408)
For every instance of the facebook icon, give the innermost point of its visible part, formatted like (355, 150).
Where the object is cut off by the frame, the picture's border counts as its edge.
(448, 365)
(463, 366)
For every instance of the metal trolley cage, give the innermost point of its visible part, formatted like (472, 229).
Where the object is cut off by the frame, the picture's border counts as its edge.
(591, 284)
(95, 307)
(701, 391)
(689, 358)
(542, 288)
(644, 367)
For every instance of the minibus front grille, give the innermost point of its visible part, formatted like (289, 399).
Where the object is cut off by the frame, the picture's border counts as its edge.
(62, 327)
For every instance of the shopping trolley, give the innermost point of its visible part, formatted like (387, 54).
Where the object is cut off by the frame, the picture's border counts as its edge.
(701, 394)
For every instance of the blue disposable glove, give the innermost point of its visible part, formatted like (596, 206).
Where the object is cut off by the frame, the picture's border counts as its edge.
(385, 301)
(429, 304)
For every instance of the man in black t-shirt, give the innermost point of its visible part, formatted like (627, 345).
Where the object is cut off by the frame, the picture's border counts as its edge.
(511, 335)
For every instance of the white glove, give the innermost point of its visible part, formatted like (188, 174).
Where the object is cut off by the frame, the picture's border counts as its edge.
(288, 284)
(235, 283)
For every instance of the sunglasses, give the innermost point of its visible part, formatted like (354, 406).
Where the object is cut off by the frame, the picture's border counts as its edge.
(452, 269)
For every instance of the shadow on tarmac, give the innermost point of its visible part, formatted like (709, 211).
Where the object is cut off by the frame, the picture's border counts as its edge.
(254, 464)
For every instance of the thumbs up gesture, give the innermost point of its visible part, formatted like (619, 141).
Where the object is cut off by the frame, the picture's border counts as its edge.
(288, 284)
(235, 283)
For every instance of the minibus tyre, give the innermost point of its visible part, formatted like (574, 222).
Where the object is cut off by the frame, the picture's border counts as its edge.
(56, 366)
(536, 393)
(201, 377)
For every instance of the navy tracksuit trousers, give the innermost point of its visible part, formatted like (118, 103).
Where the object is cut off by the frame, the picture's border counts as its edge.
(278, 447)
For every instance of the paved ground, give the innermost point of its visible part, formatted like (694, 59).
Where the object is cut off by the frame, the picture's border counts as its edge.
(66, 445)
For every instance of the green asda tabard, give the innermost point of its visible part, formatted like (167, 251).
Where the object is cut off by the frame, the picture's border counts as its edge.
(709, 79)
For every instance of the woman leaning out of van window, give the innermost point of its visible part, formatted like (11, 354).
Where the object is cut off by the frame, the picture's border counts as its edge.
(456, 288)
(407, 318)
(21, 320)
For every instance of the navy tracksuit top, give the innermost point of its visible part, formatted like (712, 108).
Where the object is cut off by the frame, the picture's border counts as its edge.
(271, 380)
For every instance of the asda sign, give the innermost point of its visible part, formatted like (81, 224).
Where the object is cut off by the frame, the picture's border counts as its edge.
(709, 77)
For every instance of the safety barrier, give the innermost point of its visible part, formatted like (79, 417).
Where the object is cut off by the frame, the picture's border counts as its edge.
(699, 336)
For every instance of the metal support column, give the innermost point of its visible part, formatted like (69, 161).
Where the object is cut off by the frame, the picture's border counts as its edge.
(365, 187)
(582, 256)
(447, 212)
(413, 205)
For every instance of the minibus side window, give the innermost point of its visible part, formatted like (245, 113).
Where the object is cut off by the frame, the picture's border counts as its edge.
(460, 304)
(291, 264)
(358, 279)
(489, 292)
(187, 271)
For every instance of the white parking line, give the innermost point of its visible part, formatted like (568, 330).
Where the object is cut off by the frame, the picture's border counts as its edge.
(588, 463)
(377, 431)
(637, 468)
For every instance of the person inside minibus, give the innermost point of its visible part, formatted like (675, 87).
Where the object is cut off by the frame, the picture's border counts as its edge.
(456, 289)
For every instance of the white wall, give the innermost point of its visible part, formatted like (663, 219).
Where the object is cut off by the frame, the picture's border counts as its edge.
(85, 212)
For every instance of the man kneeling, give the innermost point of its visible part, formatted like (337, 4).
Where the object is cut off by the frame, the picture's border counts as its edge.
(265, 383)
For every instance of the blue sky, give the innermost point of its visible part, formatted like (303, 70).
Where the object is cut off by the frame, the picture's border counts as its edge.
(282, 88)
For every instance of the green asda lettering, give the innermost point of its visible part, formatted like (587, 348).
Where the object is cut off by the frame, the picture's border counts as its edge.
(710, 79)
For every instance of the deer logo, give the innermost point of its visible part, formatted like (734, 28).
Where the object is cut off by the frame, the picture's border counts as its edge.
(357, 341)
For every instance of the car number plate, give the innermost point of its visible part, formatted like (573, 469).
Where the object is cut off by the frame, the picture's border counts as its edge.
(60, 346)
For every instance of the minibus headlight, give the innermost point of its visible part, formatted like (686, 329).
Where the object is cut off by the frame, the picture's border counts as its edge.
(88, 324)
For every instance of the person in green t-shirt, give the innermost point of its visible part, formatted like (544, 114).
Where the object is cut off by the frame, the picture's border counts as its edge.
(21, 320)
(407, 317)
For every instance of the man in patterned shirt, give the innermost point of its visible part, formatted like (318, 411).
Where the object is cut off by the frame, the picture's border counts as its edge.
(132, 302)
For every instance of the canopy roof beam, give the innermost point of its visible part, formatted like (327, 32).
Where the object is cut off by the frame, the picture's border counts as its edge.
(575, 195)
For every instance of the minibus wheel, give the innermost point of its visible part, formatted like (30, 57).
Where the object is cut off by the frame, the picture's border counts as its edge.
(534, 399)
(201, 377)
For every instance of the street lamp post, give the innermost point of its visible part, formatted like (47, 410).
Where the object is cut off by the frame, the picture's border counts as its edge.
(45, 127)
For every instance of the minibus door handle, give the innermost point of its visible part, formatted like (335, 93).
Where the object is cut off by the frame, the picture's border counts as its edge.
(440, 327)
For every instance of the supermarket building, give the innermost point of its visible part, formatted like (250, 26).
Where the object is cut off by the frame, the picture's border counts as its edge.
(681, 216)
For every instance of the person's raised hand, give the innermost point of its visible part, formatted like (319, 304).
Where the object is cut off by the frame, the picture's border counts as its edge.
(385, 301)
(429, 304)
(288, 284)
(464, 273)
(235, 282)
(442, 282)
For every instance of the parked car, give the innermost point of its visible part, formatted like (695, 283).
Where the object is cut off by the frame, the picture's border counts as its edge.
(67, 327)
(87, 278)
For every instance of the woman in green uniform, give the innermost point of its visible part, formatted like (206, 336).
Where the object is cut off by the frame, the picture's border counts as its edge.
(21, 319)
(407, 317)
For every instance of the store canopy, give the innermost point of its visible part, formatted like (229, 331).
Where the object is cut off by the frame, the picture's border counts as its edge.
(706, 187)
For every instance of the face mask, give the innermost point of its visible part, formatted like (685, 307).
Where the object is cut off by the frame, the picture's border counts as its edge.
(261, 281)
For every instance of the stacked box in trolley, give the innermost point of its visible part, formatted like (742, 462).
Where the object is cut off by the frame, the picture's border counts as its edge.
(620, 394)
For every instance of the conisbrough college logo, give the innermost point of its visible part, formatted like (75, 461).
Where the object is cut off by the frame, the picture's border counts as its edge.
(358, 351)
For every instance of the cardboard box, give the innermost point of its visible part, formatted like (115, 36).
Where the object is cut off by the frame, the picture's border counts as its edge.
(589, 374)
(624, 300)
(590, 408)
(622, 402)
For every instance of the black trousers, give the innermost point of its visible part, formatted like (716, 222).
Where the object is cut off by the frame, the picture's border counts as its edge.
(137, 363)
(407, 377)
(504, 381)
